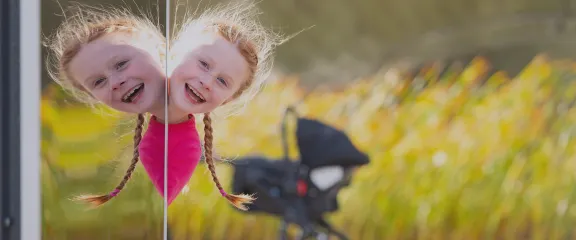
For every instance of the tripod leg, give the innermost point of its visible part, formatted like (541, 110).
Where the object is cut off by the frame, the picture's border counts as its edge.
(307, 232)
(283, 230)
(324, 224)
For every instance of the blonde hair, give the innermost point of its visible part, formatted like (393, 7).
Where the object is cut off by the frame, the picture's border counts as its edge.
(237, 23)
(84, 25)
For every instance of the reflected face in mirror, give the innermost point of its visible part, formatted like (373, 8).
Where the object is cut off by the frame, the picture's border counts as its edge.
(208, 75)
(120, 71)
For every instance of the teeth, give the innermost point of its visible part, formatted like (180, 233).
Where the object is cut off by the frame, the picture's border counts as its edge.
(127, 97)
(196, 93)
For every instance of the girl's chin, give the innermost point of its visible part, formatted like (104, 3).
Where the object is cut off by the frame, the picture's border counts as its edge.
(139, 108)
(198, 109)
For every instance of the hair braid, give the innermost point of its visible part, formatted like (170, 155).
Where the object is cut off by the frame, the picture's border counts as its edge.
(237, 200)
(101, 199)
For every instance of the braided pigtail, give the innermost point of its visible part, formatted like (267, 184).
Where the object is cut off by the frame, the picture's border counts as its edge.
(99, 200)
(237, 200)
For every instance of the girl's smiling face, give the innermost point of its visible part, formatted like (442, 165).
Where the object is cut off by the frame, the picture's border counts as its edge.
(208, 75)
(121, 72)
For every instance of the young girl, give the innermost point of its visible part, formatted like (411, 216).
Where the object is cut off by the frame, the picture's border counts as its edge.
(221, 57)
(245, 48)
(109, 56)
(216, 58)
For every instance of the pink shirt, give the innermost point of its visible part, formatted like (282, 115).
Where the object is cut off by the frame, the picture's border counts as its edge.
(184, 152)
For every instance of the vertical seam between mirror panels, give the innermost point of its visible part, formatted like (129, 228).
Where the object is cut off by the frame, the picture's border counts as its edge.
(167, 33)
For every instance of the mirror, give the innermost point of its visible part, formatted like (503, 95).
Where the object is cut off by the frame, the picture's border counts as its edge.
(409, 82)
(89, 118)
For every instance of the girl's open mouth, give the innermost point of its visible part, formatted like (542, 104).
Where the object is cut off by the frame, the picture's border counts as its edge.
(194, 95)
(131, 95)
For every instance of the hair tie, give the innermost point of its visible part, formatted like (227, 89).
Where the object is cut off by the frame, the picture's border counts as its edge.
(115, 192)
(223, 193)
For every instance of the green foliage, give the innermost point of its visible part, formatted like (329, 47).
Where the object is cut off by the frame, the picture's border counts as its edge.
(468, 156)
(88, 150)
(462, 155)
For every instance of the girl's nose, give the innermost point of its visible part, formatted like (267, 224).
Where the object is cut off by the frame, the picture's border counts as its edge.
(117, 82)
(206, 82)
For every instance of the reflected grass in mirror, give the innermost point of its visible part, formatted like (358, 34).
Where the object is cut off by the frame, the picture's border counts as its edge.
(87, 150)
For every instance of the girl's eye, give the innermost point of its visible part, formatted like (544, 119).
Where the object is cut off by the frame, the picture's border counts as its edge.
(222, 81)
(204, 64)
(99, 81)
(121, 64)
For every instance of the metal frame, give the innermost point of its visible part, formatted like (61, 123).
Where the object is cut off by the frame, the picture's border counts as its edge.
(30, 138)
(20, 121)
(10, 120)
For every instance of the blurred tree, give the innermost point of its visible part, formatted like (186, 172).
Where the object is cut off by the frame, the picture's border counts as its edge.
(355, 38)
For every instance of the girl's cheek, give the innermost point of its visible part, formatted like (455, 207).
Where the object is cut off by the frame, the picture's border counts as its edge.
(222, 96)
(176, 77)
(100, 96)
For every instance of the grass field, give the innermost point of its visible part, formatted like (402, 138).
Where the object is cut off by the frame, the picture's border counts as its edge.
(464, 155)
